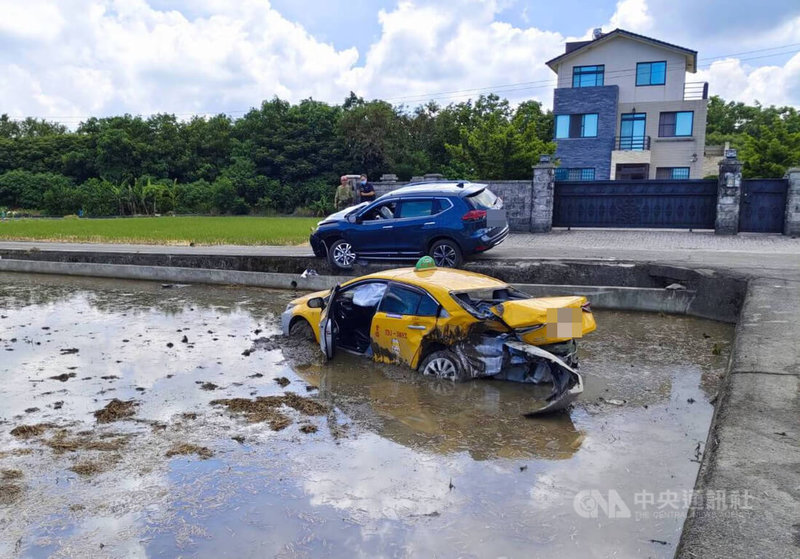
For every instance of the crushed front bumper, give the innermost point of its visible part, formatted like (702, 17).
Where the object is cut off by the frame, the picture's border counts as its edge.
(505, 358)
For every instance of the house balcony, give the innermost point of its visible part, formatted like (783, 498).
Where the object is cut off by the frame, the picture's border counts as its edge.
(631, 143)
(695, 91)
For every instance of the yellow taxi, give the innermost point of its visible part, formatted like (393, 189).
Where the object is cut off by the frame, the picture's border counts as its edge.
(451, 324)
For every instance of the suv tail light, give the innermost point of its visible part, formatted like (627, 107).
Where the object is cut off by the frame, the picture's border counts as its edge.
(474, 215)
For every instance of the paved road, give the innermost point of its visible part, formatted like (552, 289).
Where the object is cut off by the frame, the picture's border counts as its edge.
(756, 253)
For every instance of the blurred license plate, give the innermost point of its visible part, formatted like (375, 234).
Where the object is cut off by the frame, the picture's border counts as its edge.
(495, 218)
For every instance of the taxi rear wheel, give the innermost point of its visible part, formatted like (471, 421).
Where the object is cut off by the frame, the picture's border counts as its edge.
(443, 364)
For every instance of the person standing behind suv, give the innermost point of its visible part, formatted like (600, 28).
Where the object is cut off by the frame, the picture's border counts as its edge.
(365, 189)
(344, 194)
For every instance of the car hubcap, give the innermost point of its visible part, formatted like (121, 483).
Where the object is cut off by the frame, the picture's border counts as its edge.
(444, 255)
(343, 254)
(442, 368)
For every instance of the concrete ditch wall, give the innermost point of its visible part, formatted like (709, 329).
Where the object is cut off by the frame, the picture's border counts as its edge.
(626, 286)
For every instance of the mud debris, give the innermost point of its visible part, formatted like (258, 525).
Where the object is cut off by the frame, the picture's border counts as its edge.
(189, 415)
(308, 428)
(61, 442)
(30, 431)
(238, 438)
(31, 410)
(64, 377)
(267, 344)
(69, 350)
(208, 386)
(185, 448)
(266, 408)
(282, 381)
(87, 468)
(7, 475)
(115, 410)
(9, 493)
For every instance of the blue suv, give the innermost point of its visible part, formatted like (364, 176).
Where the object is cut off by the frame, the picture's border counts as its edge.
(446, 220)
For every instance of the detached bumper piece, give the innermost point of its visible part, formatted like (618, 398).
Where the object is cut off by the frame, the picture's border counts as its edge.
(504, 358)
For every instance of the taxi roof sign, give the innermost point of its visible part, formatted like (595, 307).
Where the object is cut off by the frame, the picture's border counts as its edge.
(425, 263)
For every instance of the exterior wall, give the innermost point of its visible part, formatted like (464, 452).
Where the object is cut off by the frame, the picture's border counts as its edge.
(627, 157)
(620, 56)
(589, 152)
(673, 152)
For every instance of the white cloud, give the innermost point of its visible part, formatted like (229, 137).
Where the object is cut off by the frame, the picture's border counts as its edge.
(733, 80)
(632, 15)
(75, 58)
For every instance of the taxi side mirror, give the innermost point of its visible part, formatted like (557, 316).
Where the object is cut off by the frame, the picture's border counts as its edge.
(316, 303)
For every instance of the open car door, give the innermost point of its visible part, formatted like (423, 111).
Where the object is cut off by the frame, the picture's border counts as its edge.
(327, 326)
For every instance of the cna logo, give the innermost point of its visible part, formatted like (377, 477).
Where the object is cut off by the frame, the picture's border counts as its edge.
(590, 503)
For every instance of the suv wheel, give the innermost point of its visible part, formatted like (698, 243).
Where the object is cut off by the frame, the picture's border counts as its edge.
(341, 255)
(443, 364)
(446, 254)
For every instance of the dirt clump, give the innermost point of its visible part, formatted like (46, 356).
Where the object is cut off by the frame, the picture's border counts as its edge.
(61, 443)
(87, 468)
(9, 493)
(30, 431)
(69, 351)
(7, 475)
(64, 377)
(308, 428)
(267, 408)
(186, 448)
(115, 410)
(189, 415)
(282, 381)
(208, 386)
(268, 344)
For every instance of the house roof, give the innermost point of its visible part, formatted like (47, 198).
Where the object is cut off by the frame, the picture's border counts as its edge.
(581, 46)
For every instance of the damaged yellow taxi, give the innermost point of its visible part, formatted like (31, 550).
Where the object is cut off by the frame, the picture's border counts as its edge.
(450, 324)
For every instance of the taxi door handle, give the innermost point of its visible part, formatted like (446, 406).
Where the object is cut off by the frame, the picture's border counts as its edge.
(417, 327)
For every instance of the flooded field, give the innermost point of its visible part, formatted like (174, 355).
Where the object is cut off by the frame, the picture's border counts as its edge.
(141, 421)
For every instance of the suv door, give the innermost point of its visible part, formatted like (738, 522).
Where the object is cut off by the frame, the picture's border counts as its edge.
(373, 234)
(405, 316)
(415, 225)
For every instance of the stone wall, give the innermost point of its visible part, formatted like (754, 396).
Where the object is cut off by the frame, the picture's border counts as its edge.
(516, 195)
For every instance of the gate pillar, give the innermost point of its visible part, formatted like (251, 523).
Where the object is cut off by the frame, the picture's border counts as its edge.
(791, 226)
(544, 179)
(729, 194)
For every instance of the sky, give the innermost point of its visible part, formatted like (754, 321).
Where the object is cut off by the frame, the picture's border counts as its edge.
(66, 60)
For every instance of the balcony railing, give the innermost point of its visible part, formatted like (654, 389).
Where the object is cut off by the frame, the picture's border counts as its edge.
(632, 143)
(693, 91)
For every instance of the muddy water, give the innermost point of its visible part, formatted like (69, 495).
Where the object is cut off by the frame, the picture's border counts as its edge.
(397, 466)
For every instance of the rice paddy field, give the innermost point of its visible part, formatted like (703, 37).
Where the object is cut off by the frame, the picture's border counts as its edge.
(200, 230)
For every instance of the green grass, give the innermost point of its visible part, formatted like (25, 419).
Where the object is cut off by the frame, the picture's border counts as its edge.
(163, 230)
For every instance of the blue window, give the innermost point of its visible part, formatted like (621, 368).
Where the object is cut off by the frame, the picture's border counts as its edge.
(631, 132)
(588, 76)
(575, 174)
(674, 173)
(651, 73)
(675, 124)
(576, 126)
(562, 126)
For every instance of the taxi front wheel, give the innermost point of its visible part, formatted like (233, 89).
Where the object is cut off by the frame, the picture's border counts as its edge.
(443, 364)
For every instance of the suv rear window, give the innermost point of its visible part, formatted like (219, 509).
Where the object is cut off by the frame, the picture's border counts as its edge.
(483, 200)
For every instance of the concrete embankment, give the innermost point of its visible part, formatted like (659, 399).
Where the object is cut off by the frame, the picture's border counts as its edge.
(748, 487)
(628, 286)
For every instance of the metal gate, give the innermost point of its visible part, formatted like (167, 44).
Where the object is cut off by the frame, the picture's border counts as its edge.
(763, 205)
(665, 204)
